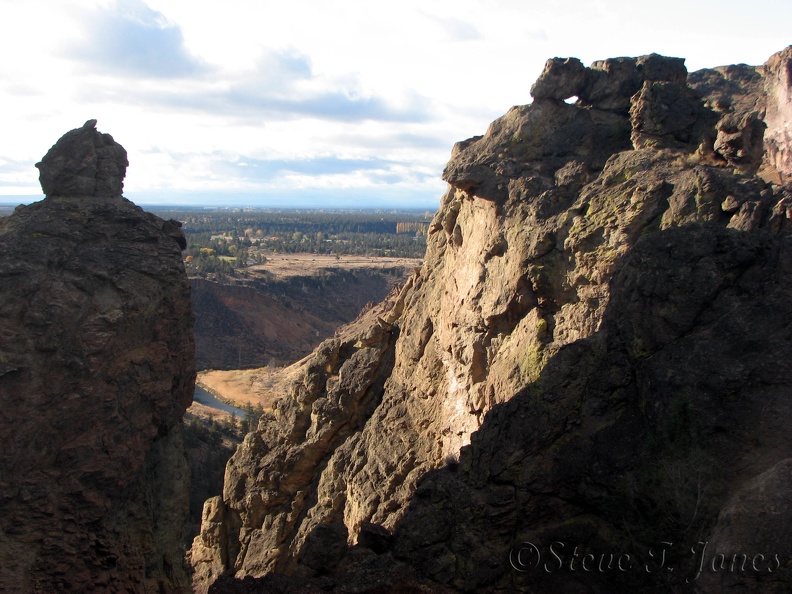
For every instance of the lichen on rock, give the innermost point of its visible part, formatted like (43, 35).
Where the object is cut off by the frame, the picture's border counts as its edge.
(584, 357)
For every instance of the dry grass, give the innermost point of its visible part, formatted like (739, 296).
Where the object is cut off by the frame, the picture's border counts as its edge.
(207, 412)
(264, 385)
(239, 387)
(286, 265)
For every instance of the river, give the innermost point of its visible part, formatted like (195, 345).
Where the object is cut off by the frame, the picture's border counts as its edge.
(207, 399)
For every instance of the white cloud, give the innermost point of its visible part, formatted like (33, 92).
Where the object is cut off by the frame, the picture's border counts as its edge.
(129, 39)
(317, 98)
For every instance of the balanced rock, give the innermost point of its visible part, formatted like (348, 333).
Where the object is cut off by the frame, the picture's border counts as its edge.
(561, 79)
(84, 162)
(96, 371)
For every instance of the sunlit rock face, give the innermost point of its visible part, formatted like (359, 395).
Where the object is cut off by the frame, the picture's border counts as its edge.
(778, 138)
(595, 352)
(96, 371)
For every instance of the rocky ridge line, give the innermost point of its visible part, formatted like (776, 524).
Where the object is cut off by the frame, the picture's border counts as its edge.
(595, 351)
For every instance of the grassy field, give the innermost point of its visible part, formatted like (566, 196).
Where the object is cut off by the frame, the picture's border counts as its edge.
(239, 387)
(286, 265)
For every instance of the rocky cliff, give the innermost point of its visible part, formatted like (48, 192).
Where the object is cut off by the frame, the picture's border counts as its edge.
(96, 371)
(593, 360)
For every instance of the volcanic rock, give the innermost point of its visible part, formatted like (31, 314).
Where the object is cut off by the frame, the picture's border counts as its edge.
(778, 90)
(596, 353)
(84, 162)
(561, 79)
(96, 371)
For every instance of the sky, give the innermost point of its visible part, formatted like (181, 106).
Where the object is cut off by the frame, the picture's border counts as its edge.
(335, 103)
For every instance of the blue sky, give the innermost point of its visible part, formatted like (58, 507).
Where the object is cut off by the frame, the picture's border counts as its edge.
(336, 103)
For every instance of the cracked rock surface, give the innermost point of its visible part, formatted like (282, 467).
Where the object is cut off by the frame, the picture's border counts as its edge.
(96, 371)
(596, 351)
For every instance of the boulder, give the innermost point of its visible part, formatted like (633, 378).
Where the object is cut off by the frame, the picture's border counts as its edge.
(561, 79)
(84, 162)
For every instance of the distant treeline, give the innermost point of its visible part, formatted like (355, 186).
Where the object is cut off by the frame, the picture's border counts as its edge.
(225, 241)
(277, 221)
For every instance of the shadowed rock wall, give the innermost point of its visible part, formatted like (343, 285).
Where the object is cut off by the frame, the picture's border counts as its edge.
(595, 352)
(96, 371)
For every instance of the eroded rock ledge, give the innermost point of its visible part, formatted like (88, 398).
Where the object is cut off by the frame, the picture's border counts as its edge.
(595, 352)
(96, 371)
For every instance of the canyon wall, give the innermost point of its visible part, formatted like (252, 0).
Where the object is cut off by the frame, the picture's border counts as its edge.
(259, 322)
(596, 352)
(96, 370)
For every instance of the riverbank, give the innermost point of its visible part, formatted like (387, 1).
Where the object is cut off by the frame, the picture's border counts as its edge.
(206, 398)
(243, 387)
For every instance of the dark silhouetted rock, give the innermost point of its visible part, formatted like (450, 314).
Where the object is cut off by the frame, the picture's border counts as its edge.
(84, 162)
(561, 79)
(96, 371)
(754, 528)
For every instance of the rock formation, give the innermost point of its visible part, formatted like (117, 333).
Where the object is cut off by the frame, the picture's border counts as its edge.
(595, 353)
(96, 371)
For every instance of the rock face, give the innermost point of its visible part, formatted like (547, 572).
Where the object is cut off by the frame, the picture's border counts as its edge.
(778, 141)
(595, 353)
(96, 371)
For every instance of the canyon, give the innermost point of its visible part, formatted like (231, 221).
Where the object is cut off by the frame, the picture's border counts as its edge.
(257, 321)
(592, 365)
